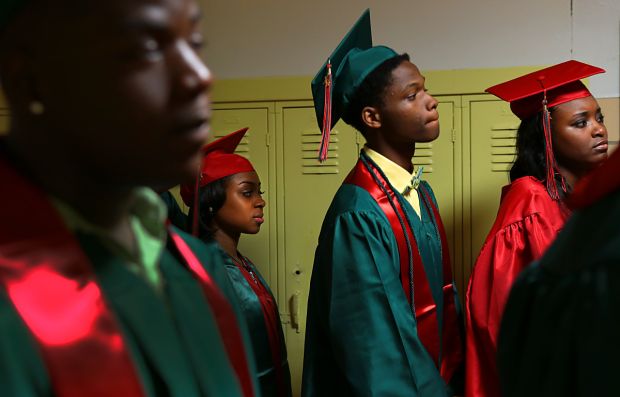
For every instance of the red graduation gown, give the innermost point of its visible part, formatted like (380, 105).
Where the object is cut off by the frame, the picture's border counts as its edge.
(528, 220)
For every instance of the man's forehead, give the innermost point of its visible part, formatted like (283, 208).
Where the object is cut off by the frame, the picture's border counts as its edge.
(147, 15)
(129, 7)
(11, 9)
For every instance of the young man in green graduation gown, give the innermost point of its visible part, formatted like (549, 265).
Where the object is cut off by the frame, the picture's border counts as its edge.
(98, 297)
(383, 314)
(559, 332)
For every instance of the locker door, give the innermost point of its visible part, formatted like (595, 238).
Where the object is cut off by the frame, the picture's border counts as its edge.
(255, 146)
(493, 137)
(309, 188)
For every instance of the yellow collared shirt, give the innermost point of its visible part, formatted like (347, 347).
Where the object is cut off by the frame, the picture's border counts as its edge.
(399, 177)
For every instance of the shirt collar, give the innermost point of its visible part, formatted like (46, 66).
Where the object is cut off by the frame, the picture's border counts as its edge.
(400, 178)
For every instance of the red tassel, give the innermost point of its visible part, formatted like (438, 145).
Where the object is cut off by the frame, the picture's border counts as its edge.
(551, 166)
(327, 114)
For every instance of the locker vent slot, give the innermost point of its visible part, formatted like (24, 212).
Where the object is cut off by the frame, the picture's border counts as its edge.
(424, 156)
(310, 143)
(503, 148)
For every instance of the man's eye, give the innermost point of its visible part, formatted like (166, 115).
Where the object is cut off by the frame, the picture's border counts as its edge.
(196, 40)
(147, 49)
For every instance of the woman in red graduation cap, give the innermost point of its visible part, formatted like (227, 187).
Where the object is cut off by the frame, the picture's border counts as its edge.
(226, 202)
(561, 138)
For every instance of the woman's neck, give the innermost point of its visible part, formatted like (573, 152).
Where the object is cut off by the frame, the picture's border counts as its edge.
(570, 177)
(229, 243)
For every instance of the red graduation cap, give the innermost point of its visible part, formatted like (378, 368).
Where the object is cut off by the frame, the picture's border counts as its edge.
(219, 161)
(537, 92)
(560, 83)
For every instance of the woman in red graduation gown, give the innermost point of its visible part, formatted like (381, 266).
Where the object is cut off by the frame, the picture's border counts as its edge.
(561, 138)
(230, 203)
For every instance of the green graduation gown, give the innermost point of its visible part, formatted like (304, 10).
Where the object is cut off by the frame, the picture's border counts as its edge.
(268, 376)
(361, 335)
(559, 334)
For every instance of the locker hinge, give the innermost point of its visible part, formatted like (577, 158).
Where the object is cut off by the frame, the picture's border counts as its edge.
(453, 135)
(267, 139)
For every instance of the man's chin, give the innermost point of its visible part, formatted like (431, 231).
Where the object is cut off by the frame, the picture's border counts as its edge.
(430, 136)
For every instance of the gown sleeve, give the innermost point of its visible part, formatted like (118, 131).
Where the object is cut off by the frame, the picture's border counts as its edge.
(359, 312)
(504, 255)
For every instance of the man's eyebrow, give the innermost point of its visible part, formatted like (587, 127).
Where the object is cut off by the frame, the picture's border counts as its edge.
(148, 19)
(153, 19)
(141, 25)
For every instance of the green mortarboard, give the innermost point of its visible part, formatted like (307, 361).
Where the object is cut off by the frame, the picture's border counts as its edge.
(345, 70)
(8, 9)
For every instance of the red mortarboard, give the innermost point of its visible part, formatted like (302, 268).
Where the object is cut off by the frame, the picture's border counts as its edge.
(219, 161)
(561, 82)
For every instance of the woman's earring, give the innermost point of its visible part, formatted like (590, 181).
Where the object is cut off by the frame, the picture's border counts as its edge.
(210, 210)
(36, 108)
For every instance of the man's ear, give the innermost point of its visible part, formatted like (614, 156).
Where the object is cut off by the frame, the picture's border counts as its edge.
(371, 117)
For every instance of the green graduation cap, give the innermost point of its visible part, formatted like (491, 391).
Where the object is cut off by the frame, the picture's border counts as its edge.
(345, 70)
(8, 9)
